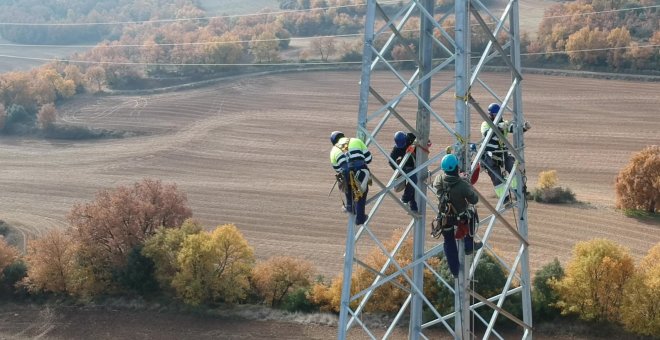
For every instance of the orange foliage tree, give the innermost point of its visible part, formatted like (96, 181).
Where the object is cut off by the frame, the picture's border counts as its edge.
(386, 298)
(279, 276)
(122, 218)
(638, 183)
(586, 47)
(51, 263)
(46, 116)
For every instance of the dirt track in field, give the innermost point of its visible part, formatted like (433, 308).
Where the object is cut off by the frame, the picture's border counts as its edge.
(254, 152)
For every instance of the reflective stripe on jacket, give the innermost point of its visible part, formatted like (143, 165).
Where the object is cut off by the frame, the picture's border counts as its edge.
(356, 155)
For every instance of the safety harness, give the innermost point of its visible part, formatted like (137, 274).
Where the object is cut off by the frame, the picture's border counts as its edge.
(358, 187)
(448, 218)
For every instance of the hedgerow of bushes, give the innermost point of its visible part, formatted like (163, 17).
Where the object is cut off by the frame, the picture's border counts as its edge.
(144, 244)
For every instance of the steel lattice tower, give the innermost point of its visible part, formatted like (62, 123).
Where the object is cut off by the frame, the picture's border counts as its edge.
(445, 39)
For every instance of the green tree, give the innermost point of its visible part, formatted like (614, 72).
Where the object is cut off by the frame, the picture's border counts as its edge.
(640, 311)
(543, 296)
(594, 281)
(638, 184)
(214, 267)
(138, 273)
(163, 248)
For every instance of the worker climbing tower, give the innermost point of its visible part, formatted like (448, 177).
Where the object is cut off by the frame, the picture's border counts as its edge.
(430, 69)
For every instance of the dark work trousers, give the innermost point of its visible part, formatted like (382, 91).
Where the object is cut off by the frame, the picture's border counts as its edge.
(409, 193)
(352, 206)
(494, 167)
(451, 248)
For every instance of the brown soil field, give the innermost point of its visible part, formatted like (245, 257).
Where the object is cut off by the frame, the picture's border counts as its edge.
(254, 152)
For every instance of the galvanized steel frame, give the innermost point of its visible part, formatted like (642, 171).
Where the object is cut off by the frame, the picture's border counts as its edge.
(370, 124)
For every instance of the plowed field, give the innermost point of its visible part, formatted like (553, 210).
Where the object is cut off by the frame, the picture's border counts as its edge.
(253, 152)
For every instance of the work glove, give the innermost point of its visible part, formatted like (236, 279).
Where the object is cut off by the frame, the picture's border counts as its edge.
(504, 125)
(527, 126)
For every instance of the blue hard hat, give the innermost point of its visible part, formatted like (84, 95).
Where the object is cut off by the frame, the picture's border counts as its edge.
(449, 163)
(335, 136)
(400, 139)
(493, 109)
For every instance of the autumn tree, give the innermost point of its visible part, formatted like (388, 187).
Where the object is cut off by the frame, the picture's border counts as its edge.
(587, 47)
(96, 77)
(163, 248)
(278, 276)
(618, 40)
(404, 54)
(388, 297)
(225, 49)
(214, 267)
(638, 183)
(594, 281)
(640, 311)
(8, 254)
(3, 116)
(119, 219)
(72, 73)
(46, 116)
(51, 263)
(324, 46)
(265, 47)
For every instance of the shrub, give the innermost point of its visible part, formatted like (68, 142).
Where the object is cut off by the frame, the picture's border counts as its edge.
(298, 301)
(548, 192)
(640, 311)
(11, 276)
(638, 183)
(547, 179)
(4, 228)
(543, 296)
(593, 285)
(278, 276)
(554, 195)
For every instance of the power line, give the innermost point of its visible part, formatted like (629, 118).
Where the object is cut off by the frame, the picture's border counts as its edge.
(73, 61)
(182, 19)
(262, 14)
(600, 12)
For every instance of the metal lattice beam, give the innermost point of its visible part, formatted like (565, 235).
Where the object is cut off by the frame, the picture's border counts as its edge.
(440, 48)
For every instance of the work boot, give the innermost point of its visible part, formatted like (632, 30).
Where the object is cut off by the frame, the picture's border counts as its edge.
(413, 206)
(347, 209)
(477, 245)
